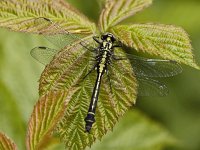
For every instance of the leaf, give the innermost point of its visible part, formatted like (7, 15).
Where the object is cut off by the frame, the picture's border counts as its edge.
(19, 15)
(166, 41)
(6, 143)
(117, 10)
(46, 114)
(136, 132)
(66, 71)
(19, 78)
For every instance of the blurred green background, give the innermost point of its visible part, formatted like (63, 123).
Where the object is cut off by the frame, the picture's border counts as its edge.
(178, 114)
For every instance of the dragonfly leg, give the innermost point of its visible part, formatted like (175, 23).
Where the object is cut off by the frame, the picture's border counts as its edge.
(93, 68)
(90, 49)
(118, 45)
(96, 39)
(90, 71)
(118, 58)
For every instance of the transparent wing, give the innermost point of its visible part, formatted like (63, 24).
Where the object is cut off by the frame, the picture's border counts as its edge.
(151, 87)
(152, 67)
(146, 86)
(43, 54)
(54, 33)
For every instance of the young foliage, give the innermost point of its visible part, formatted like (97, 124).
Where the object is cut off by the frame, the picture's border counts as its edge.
(144, 133)
(19, 15)
(47, 112)
(117, 10)
(166, 41)
(72, 63)
(6, 143)
(64, 72)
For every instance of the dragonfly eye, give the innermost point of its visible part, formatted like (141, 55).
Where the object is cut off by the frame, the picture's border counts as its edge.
(104, 37)
(113, 39)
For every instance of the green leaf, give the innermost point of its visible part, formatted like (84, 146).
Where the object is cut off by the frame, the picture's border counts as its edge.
(46, 114)
(65, 71)
(166, 41)
(19, 15)
(136, 132)
(6, 143)
(117, 10)
(19, 78)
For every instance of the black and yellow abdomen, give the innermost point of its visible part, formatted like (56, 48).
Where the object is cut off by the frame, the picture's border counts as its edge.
(101, 66)
(90, 118)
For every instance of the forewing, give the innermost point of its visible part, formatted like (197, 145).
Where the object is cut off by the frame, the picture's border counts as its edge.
(146, 86)
(56, 34)
(59, 37)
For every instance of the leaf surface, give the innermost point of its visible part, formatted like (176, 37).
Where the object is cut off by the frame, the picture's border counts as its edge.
(6, 143)
(117, 10)
(166, 41)
(46, 114)
(136, 132)
(19, 15)
(66, 71)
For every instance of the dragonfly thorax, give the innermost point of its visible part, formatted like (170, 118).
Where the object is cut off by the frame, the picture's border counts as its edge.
(108, 41)
(109, 37)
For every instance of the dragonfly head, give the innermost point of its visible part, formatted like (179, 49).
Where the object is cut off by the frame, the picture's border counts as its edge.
(108, 37)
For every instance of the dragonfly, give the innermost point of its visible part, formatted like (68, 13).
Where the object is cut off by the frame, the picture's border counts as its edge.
(144, 69)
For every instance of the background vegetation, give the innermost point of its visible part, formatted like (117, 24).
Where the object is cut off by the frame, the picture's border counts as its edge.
(178, 113)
